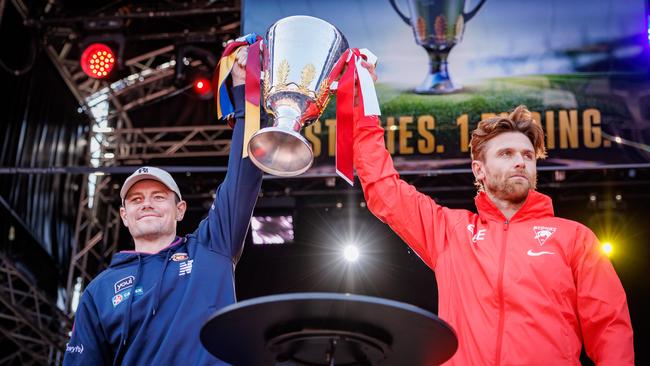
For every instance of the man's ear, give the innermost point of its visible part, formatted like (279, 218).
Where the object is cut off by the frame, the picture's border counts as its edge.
(478, 169)
(181, 207)
(123, 216)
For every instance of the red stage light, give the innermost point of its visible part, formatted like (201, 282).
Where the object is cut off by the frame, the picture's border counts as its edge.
(97, 60)
(202, 86)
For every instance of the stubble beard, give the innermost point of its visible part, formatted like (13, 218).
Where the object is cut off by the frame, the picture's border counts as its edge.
(150, 231)
(513, 191)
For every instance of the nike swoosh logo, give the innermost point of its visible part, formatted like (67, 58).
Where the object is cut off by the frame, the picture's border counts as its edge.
(537, 254)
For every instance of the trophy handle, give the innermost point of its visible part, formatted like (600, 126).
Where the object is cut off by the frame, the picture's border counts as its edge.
(469, 15)
(404, 17)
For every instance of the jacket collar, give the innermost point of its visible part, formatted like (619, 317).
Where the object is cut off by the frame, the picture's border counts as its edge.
(537, 205)
(126, 256)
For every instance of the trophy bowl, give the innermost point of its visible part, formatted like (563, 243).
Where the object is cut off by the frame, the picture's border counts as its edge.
(301, 52)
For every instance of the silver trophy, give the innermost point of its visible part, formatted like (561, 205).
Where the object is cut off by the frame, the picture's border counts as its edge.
(301, 52)
(438, 26)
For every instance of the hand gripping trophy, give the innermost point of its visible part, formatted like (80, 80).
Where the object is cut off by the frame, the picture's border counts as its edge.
(304, 61)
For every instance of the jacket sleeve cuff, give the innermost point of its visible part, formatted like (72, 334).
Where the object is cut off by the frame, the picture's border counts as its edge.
(239, 96)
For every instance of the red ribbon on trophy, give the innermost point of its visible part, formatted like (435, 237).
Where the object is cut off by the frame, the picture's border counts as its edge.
(351, 76)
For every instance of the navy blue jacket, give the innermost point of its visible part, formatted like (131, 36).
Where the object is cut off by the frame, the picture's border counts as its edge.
(148, 309)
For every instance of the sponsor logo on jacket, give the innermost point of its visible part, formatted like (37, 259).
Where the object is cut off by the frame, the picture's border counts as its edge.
(74, 349)
(124, 283)
(537, 254)
(119, 298)
(185, 267)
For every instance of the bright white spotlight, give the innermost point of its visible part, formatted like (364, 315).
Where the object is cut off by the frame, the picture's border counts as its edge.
(607, 248)
(351, 253)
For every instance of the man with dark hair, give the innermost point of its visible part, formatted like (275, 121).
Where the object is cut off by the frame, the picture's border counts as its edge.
(148, 307)
(519, 285)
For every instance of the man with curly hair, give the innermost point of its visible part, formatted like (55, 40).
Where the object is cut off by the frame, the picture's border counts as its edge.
(519, 285)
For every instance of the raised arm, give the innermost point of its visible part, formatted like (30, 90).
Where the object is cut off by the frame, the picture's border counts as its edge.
(229, 217)
(602, 305)
(415, 217)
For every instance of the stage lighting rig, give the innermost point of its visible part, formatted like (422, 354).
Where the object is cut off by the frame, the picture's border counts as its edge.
(195, 64)
(97, 60)
(203, 87)
(101, 54)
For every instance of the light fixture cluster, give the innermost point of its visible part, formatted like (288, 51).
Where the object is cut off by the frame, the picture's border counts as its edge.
(97, 60)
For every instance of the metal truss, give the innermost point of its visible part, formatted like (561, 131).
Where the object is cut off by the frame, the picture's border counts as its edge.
(116, 142)
(150, 75)
(150, 79)
(135, 145)
(29, 319)
(96, 235)
(97, 224)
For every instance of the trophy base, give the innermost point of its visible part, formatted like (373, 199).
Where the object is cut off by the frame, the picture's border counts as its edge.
(436, 85)
(280, 152)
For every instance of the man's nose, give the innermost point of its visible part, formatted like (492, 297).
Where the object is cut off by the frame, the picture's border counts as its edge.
(146, 203)
(519, 161)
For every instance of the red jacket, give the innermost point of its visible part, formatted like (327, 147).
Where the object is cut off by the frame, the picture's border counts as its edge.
(524, 291)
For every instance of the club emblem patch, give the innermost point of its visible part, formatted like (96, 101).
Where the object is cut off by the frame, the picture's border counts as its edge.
(179, 257)
(542, 233)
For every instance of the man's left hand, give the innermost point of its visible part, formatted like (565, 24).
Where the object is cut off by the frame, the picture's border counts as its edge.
(371, 69)
(239, 68)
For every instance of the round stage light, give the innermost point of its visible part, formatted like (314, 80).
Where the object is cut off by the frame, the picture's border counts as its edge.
(97, 60)
(351, 253)
(607, 248)
(203, 87)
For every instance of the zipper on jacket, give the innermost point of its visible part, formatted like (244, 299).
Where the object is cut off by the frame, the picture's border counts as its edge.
(502, 261)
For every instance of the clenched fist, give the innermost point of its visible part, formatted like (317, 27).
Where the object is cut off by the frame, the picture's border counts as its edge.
(239, 68)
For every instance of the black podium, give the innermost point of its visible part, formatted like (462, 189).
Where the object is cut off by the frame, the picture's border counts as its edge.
(327, 329)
